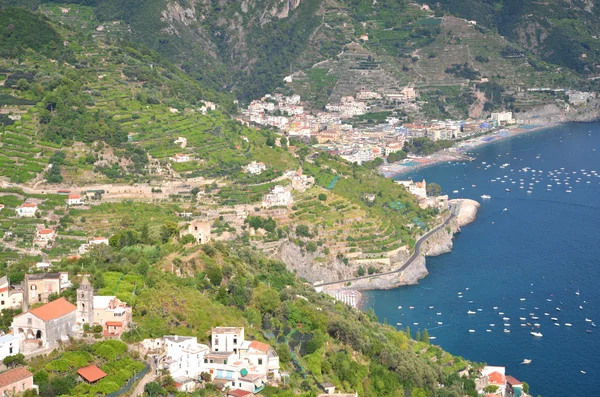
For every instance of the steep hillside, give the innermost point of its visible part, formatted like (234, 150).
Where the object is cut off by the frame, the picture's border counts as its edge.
(562, 32)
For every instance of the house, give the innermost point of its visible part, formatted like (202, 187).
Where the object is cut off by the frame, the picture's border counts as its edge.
(1, 207)
(502, 117)
(261, 356)
(91, 373)
(26, 210)
(419, 189)
(9, 298)
(227, 339)
(199, 229)
(279, 196)
(108, 311)
(184, 357)
(39, 286)
(514, 388)
(180, 158)
(370, 197)
(496, 376)
(393, 148)
(302, 182)
(74, 199)
(47, 324)
(44, 236)
(256, 168)
(16, 381)
(9, 346)
(98, 241)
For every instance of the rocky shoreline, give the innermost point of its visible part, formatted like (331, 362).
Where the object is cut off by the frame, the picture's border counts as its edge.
(437, 244)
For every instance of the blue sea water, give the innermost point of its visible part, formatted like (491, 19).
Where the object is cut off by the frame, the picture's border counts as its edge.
(523, 250)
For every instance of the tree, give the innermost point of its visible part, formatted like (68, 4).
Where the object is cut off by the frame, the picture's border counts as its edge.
(302, 231)
(418, 336)
(284, 142)
(22, 85)
(322, 197)
(425, 337)
(526, 387)
(154, 389)
(491, 389)
(433, 189)
(14, 360)
(407, 331)
(360, 271)
(214, 274)
(195, 191)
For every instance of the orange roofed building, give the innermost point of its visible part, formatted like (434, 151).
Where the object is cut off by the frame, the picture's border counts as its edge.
(91, 373)
(16, 381)
(46, 325)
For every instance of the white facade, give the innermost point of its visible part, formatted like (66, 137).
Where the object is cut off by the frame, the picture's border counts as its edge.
(279, 196)
(227, 339)
(180, 158)
(184, 356)
(502, 117)
(9, 299)
(256, 168)
(26, 210)
(9, 346)
(74, 199)
(419, 189)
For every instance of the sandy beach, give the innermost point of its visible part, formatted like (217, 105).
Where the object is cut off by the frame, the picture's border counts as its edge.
(458, 152)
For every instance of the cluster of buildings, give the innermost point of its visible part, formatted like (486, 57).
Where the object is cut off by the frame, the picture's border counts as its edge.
(231, 362)
(55, 321)
(504, 385)
(419, 190)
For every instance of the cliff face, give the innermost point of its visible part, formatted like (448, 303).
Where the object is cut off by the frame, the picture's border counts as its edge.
(437, 244)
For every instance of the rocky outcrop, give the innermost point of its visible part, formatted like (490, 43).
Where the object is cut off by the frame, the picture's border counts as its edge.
(465, 210)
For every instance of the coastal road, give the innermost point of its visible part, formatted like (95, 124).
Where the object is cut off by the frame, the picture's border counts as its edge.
(410, 260)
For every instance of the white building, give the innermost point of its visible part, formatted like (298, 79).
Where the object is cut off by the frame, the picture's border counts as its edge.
(9, 346)
(359, 156)
(227, 339)
(9, 298)
(279, 196)
(184, 356)
(393, 147)
(502, 117)
(494, 375)
(74, 199)
(180, 158)
(419, 189)
(256, 168)
(26, 210)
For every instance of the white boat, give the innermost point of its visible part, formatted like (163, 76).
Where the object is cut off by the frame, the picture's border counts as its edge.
(486, 196)
(415, 323)
(495, 307)
(505, 318)
(535, 318)
(522, 318)
(536, 325)
(507, 331)
(507, 325)
(431, 307)
(536, 334)
(471, 312)
(398, 324)
(399, 307)
(522, 299)
(501, 313)
(471, 330)
(432, 338)
(557, 324)
(492, 325)
(439, 314)
(583, 372)
(488, 330)
(523, 325)
(580, 307)
(553, 319)
(479, 310)
(588, 320)
(440, 323)
(455, 191)
(558, 309)
(526, 361)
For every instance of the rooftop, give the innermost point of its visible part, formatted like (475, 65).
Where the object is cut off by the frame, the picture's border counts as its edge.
(263, 347)
(228, 330)
(54, 309)
(239, 393)
(509, 379)
(41, 276)
(91, 373)
(14, 375)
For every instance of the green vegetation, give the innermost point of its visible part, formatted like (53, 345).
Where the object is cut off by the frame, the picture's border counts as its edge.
(425, 146)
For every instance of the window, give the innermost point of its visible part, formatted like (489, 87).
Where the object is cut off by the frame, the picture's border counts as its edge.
(225, 361)
(235, 341)
(2, 303)
(29, 321)
(10, 350)
(206, 361)
(23, 386)
(260, 361)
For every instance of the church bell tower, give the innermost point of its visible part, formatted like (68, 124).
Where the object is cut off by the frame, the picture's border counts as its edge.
(85, 302)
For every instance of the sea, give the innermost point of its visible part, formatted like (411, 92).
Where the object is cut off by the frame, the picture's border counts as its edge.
(532, 254)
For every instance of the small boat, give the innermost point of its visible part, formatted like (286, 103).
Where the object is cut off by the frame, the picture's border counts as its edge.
(488, 330)
(536, 325)
(501, 313)
(440, 323)
(415, 323)
(580, 307)
(526, 361)
(505, 318)
(522, 318)
(479, 310)
(486, 196)
(568, 325)
(471, 330)
(507, 190)
(594, 325)
(557, 324)
(536, 334)
(507, 331)
(431, 307)
(549, 300)
(546, 314)
(583, 372)
(399, 324)
(588, 320)
(522, 299)
(558, 309)
(507, 325)
(455, 191)
(399, 307)
(432, 338)
(411, 307)
(495, 307)
(471, 312)
(523, 325)
(535, 318)
(553, 319)
(492, 325)
(439, 314)
(589, 331)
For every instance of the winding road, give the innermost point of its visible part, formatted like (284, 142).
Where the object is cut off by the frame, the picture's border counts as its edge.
(410, 260)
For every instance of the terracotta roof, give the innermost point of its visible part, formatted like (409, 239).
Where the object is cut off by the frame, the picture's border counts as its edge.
(3, 289)
(259, 346)
(496, 378)
(91, 373)
(513, 381)
(54, 309)
(14, 375)
(28, 205)
(114, 323)
(46, 231)
(239, 393)
(74, 196)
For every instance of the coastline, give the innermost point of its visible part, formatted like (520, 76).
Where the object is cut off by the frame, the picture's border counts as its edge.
(459, 151)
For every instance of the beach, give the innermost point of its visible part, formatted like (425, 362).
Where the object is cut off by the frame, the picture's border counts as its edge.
(458, 152)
